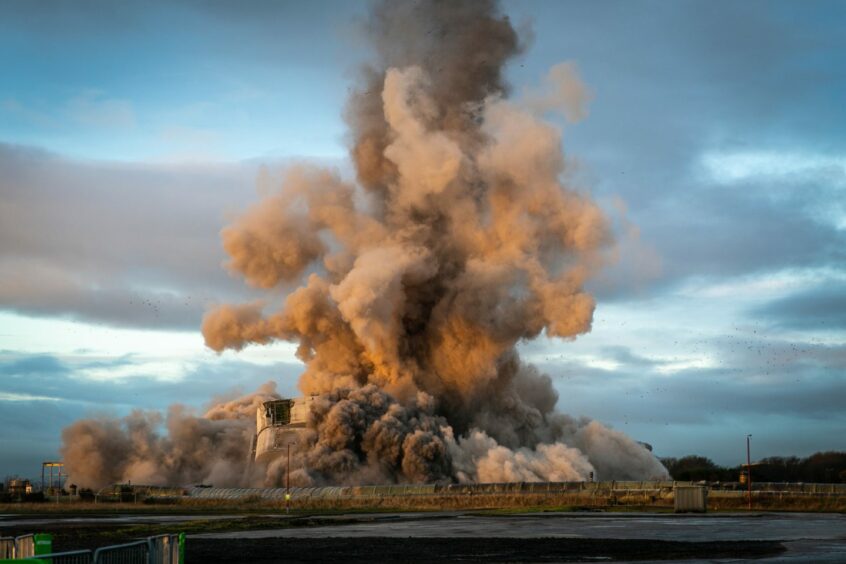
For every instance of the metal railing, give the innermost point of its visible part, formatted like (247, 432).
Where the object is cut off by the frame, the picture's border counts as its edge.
(159, 549)
(70, 557)
(164, 549)
(137, 552)
(24, 546)
(7, 547)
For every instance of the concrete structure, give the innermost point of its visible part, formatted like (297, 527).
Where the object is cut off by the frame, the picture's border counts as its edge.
(279, 423)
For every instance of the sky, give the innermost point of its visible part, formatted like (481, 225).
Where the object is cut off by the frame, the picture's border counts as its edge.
(131, 133)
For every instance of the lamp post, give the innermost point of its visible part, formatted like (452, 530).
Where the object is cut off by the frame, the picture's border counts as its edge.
(288, 482)
(749, 471)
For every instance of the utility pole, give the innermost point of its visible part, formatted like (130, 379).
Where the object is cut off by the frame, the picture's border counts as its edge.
(288, 482)
(749, 471)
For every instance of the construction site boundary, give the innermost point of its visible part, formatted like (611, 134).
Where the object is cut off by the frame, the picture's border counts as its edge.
(613, 488)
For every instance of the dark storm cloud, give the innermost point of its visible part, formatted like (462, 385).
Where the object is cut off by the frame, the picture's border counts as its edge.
(821, 308)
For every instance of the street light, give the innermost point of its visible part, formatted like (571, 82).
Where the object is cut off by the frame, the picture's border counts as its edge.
(749, 471)
(288, 482)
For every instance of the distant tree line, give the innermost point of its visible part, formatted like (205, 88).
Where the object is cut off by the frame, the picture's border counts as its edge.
(822, 467)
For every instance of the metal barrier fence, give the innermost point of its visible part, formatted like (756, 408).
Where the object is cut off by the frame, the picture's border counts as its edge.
(7, 547)
(164, 549)
(70, 557)
(160, 549)
(24, 546)
(137, 552)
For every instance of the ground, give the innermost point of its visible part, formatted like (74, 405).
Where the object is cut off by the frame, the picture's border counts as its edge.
(462, 536)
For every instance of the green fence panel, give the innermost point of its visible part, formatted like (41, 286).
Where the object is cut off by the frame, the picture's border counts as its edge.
(43, 543)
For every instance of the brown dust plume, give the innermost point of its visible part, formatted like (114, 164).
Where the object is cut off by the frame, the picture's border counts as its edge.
(414, 284)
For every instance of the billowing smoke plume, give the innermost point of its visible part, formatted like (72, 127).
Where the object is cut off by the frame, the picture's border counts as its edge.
(457, 242)
(211, 448)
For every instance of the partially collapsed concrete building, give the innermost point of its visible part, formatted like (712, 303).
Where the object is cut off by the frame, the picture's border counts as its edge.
(279, 423)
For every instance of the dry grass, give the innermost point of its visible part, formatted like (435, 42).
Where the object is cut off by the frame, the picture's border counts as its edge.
(107, 508)
(780, 502)
(500, 503)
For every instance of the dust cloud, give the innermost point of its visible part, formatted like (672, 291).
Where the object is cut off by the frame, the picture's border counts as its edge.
(414, 285)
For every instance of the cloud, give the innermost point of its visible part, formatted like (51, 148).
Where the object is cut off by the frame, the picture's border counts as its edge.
(723, 134)
(624, 356)
(42, 393)
(122, 244)
(813, 184)
(734, 234)
(693, 94)
(35, 117)
(192, 142)
(732, 168)
(73, 379)
(270, 26)
(63, 20)
(689, 392)
(94, 108)
(820, 308)
(34, 364)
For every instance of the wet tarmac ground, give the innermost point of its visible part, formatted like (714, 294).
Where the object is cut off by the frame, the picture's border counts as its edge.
(808, 537)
